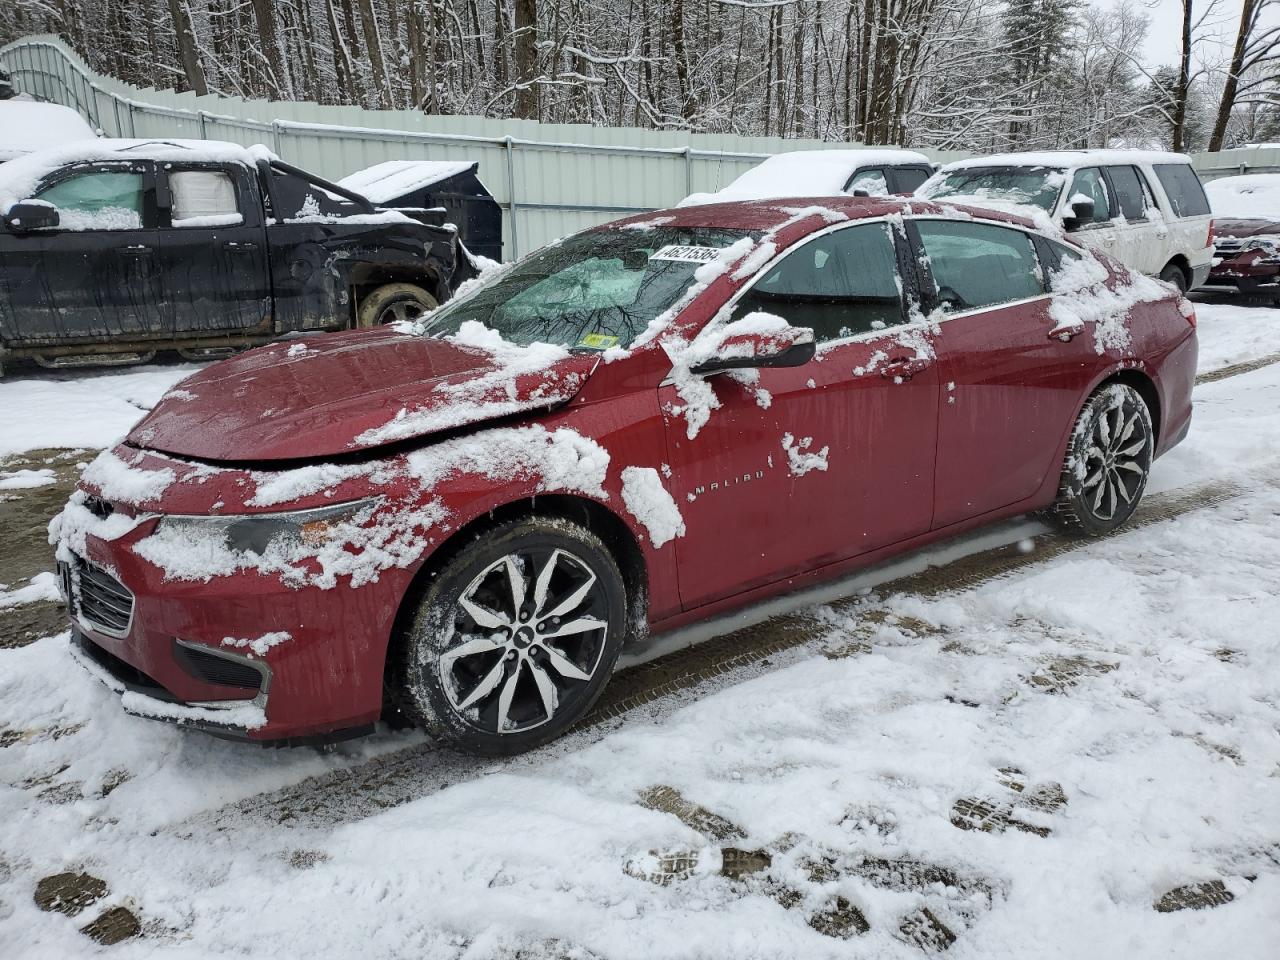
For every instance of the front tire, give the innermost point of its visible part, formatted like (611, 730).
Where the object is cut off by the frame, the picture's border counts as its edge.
(514, 638)
(1108, 462)
(394, 302)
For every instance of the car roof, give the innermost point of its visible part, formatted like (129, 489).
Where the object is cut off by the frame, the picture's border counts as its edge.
(768, 215)
(1067, 159)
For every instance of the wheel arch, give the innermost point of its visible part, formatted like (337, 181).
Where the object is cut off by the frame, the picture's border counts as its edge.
(618, 537)
(1182, 263)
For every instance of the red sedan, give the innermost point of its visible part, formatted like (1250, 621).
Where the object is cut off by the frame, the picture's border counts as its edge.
(641, 426)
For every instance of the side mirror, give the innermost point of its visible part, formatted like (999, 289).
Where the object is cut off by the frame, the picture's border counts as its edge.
(1081, 213)
(31, 215)
(756, 340)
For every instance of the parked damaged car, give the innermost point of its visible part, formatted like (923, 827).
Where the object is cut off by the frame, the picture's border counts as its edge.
(465, 521)
(113, 249)
(1246, 230)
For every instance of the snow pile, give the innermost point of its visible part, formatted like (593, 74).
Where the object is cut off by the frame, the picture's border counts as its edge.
(800, 460)
(29, 125)
(88, 412)
(124, 482)
(1082, 296)
(25, 479)
(649, 502)
(43, 586)
(1252, 196)
(258, 645)
(560, 459)
(70, 528)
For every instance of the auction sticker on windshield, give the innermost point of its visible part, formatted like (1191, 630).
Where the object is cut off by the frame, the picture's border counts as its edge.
(598, 341)
(687, 254)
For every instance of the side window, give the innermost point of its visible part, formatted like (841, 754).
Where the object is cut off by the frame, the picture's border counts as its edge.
(1186, 194)
(910, 178)
(1133, 196)
(841, 284)
(1060, 256)
(97, 200)
(872, 180)
(203, 198)
(1089, 183)
(979, 265)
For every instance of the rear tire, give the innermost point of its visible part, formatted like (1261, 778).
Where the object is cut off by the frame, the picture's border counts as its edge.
(394, 302)
(514, 638)
(1172, 273)
(1107, 464)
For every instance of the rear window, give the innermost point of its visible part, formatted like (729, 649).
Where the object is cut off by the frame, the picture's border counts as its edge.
(1183, 187)
(1131, 192)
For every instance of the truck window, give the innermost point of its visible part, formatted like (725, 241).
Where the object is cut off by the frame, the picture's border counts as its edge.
(199, 195)
(97, 200)
(1186, 195)
(910, 178)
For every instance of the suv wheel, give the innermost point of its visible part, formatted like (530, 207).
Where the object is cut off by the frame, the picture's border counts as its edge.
(1172, 273)
(392, 302)
(1108, 462)
(514, 638)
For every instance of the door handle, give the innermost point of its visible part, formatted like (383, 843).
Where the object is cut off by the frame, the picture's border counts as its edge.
(904, 368)
(135, 249)
(236, 246)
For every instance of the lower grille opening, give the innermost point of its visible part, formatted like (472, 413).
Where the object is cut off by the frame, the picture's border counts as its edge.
(129, 675)
(209, 667)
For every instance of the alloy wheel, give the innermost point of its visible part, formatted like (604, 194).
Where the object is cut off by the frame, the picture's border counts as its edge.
(401, 311)
(1114, 465)
(529, 631)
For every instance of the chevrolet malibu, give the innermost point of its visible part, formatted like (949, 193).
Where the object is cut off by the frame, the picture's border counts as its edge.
(465, 519)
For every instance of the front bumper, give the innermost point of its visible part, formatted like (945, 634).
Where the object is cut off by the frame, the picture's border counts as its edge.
(1250, 271)
(179, 651)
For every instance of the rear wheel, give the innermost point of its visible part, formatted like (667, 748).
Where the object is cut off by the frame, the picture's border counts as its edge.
(515, 638)
(1108, 462)
(393, 302)
(1172, 273)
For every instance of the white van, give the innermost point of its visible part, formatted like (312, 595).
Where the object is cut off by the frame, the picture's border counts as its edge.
(1143, 207)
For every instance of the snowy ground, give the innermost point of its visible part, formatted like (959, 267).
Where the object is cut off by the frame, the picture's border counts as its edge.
(1028, 763)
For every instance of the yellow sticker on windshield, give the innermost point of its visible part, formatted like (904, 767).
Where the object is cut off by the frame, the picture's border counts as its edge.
(598, 341)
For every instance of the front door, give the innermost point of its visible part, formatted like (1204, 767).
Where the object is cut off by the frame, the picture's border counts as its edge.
(800, 467)
(1010, 390)
(214, 252)
(100, 264)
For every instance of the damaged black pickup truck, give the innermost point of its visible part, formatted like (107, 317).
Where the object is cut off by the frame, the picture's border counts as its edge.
(113, 249)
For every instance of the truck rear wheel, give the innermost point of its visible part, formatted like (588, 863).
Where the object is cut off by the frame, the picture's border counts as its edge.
(392, 302)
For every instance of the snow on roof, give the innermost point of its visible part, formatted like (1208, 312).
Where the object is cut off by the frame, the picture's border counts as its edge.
(1252, 196)
(804, 173)
(20, 178)
(30, 125)
(1067, 159)
(384, 182)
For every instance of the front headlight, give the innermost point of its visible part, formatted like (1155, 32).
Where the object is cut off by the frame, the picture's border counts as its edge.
(255, 533)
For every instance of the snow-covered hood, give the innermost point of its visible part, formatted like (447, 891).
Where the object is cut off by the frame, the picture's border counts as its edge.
(1246, 227)
(329, 395)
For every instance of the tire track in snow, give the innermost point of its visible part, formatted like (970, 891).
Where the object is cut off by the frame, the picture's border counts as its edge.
(656, 689)
(1235, 369)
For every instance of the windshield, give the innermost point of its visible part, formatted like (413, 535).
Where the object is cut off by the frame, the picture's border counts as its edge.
(593, 291)
(1038, 186)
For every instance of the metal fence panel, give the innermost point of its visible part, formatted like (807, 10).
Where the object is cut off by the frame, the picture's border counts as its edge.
(551, 179)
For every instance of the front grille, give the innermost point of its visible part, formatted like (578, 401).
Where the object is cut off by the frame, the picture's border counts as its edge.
(1227, 247)
(101, 601)
(210, 667)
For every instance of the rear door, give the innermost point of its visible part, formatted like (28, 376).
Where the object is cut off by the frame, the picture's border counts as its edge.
(213, 250)
(98, 267)
(1141, 238)
(805, 466)
(1009, 390)
(1189, 223)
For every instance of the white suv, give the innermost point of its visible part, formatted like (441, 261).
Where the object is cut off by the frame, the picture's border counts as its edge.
(1145, 208)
